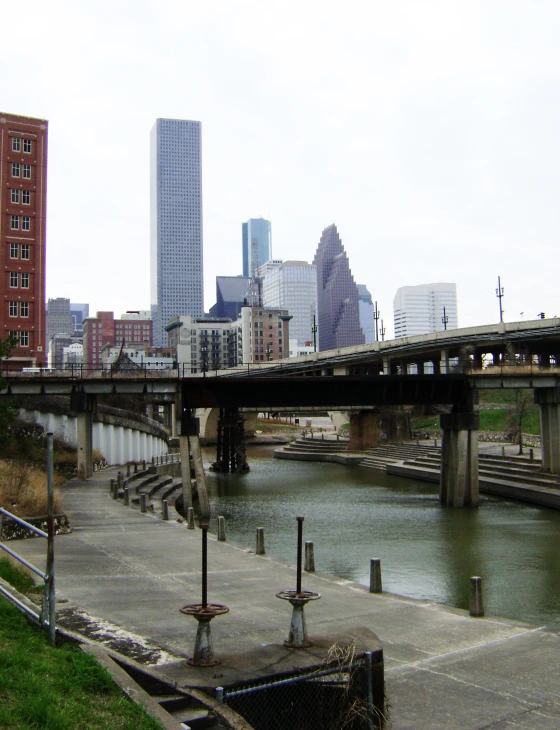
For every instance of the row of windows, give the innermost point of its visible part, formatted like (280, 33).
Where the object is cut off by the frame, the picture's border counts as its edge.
(19, 309)
(22, 336)
(23, 196)
(16, 144)
(16, 249)
(17, 279)
(23, 170)
(15, 221)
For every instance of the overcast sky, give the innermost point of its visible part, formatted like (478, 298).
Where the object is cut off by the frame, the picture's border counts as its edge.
(427, 131)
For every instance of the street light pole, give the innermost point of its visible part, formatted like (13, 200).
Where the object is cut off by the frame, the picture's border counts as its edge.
(500, 294)
(376, 314)
(382, 332)
(444, 319)
(314, 330)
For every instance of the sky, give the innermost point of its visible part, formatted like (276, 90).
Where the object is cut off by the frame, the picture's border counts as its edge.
(426, 131)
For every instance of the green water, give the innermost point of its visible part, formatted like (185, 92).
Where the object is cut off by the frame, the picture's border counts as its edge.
(353, 514)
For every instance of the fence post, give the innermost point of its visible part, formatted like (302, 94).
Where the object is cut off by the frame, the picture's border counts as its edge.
(375, 585)
(50, 540)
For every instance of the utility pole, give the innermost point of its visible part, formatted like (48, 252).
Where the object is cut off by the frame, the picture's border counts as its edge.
(314, 330)
(500, 294)
(376, 318)
(382, 332)
(444, 319)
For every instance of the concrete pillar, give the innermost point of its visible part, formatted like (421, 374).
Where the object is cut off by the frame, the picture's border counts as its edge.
(549, 404)
(386, 365)
(459, 459)
(368, 429)
(85, 444)
(444, 362)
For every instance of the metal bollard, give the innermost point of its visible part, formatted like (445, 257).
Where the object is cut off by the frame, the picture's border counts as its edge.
(260, 541)
(128, 469)
(164, 510)
(111, 486)
(476, 607)
(222, 529)
(531, 454)
(144, 465)
(153, 460)
(143, 503)
(190, 518)
(435, 443)
(503, 450)
(115, 490)
(119, 479)
(309, 564)
(126, 499)
(375, 585)
(135, 468)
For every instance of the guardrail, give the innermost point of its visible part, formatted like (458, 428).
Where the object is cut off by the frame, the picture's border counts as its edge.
(47, 616)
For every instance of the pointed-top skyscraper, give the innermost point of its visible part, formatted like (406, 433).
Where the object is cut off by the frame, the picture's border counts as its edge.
(337, 295)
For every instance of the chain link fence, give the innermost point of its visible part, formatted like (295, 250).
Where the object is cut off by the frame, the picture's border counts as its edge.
(335, 696)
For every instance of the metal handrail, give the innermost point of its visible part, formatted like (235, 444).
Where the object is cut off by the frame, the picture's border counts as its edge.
(47, 615)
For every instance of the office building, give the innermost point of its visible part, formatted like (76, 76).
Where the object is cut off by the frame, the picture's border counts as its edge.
(201, 344)
(23, 202)
(265, 334)
(78, 312)
(292, 285)
(176, 274)
(419, 310)
(367, 322)
(232, 292)
(59, 318)
(256, 243)
(104, 329)
(337, 295)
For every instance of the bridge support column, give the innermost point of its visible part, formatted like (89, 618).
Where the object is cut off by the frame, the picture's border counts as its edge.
(84, 405)
(444, 362)
(385, 424)
(549, 405)
(459, 460)
(231, 455)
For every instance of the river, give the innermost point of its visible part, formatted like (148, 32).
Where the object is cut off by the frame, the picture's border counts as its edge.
(428, 552)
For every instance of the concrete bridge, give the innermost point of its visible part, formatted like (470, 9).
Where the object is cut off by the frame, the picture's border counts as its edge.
(459, 475)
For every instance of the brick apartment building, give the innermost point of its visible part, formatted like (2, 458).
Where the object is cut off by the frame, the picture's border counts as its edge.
(104, 329)
(23, 201)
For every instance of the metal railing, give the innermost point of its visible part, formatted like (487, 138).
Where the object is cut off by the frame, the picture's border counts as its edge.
(46, 617)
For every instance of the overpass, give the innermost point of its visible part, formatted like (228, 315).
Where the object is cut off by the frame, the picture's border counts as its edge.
(275, 390)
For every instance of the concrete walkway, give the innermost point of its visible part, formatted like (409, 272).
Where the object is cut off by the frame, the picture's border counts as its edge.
(127, 574)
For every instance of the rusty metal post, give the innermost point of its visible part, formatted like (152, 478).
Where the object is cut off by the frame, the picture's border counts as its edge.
(50, 540)
(299, 551)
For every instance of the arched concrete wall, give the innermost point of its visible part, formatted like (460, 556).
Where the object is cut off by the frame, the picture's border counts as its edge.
(117, 443)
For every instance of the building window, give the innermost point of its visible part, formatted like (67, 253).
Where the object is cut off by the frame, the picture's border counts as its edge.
(13, 309)
(14, 334)
(15, 169)
(24, 338)
(27, 145)
(26, 195)
(16, 144)
(25, 223)
(27, 172)
(14, 222)
(24, 281)
(15, 196)
(14, 250)
(13, 279)
(24, 309)
(25, 248)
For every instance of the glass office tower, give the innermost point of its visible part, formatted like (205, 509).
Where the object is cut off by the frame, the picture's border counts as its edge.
(257, 245)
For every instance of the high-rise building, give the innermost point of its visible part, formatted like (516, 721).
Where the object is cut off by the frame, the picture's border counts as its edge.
(367, 322)
(257, 244)
(23, 203)
(232, 292)
(176, 274)
(292, 285)
(265, 334)
(337, 295)
(59, 319)
(79, 312)
(419, 310)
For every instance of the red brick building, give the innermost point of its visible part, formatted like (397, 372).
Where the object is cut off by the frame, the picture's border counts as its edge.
(23, 201)
(104, 329)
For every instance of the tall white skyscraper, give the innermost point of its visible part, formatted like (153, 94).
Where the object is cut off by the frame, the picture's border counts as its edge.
(419, 310)
(292, 285)
(176, 275)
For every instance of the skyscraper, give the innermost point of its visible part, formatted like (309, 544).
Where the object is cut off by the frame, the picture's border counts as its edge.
(367, 322)
(23, 200)
(257, 244)
(418, 310)
(337, 295)
(176, 274)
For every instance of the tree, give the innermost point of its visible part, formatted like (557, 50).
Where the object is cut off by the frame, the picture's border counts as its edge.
(523, 399)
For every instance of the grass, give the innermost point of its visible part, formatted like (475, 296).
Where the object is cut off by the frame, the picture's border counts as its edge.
(46, 688)
(23, 488)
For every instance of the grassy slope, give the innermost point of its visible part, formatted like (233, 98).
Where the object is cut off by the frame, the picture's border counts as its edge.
(55, 689)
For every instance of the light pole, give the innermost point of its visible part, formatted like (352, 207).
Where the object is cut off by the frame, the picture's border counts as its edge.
(444, 319)
(500, 294)
(382, 332)
(376, 314)
(314, 330)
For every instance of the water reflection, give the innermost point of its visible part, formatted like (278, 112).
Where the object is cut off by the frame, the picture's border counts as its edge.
(427, 551)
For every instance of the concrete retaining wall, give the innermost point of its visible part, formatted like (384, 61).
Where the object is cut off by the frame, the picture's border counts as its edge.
(118, 439)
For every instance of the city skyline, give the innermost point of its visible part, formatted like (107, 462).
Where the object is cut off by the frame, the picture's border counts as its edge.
(438, 158)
